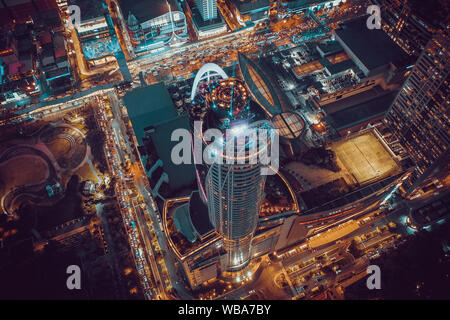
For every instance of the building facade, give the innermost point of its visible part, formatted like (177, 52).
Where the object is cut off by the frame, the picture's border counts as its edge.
(419, 114)
(207, 8)
(234, 184)
(250, 10)
(411, 24)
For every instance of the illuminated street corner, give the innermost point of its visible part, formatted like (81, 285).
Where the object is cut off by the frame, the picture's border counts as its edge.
(224, 150)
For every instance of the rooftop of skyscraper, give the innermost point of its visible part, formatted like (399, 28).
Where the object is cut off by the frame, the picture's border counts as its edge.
(206, 24)
(145, 10)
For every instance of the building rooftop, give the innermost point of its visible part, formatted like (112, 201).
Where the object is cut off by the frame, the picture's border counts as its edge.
(183, 223)
(199, 215)
(192, 219)
(149, 106)
(361, 112)
(432, 11)
(337, 68)
(153, 114)
(59, 45)
(57, 73)
(22, 30)
(24, 45)
(5, 39)
(373, 48)
(300, 4)
(182, 175)
(290, 125)
(145, 10)
(208, 24)
(177, 240)
(329, 47)
(47, 19)
(425, 215)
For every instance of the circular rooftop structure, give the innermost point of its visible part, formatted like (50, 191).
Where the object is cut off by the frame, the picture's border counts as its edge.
(289, 125)
(229, 98)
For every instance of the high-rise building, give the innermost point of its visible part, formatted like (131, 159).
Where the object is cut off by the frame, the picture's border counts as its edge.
(419, 114)
(207, 8)
(411, 23)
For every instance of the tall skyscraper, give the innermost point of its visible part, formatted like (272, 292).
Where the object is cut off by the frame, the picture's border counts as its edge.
(234, 184)
(419, 114)
(207, 8)
(235, 193)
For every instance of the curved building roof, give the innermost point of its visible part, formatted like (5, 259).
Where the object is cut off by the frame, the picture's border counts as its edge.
(259, 86)
(290, 125)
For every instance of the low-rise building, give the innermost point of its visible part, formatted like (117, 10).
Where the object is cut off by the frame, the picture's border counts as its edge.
(94, 33)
